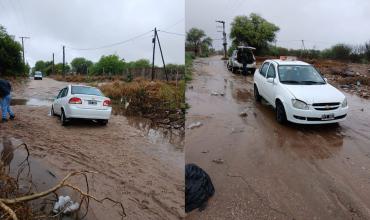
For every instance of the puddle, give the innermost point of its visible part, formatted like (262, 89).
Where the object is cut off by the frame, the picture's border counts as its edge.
(158, 135)
(41, 177)
(31, 102)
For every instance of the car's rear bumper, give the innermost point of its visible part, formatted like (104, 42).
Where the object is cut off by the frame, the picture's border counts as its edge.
(314, 116)
(249, 66)
(76, 112)
(37, 77)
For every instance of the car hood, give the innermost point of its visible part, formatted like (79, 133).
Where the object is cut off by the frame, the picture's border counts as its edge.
(315, 93)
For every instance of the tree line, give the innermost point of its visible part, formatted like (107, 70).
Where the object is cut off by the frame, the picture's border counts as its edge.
(255, 31)
(110, 64)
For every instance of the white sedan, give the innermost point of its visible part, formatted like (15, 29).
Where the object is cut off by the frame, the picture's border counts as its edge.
(299, 93)
(82, 102)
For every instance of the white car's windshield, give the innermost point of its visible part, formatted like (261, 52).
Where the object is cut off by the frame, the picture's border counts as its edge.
(85, 90)
(300, 74)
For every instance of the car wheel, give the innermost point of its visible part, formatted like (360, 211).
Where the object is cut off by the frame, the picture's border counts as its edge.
(63, 119)
(280, 113)
(52, 113)
(233, 70)
(103, 122)
(257, 95)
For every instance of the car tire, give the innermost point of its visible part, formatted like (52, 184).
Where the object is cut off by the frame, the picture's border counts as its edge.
(103, 122)
(280, 113)
(52, 113)
(257, 96)
(63, 119)
(233, 70)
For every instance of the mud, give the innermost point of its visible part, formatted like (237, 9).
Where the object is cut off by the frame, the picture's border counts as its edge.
(135, 165)
(271, 171)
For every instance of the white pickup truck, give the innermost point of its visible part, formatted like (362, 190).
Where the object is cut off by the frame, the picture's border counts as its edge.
(299, 93)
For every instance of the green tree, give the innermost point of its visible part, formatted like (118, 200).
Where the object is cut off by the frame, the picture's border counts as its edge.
(59, 68)
(110, 64)
(81, 65)
(338, 52)
(46, 67)
(39, 66)
(142, 63)
(197, 40)
(10, 55)
(253, 31)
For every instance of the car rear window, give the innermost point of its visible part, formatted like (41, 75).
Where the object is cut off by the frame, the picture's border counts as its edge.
(85, 90)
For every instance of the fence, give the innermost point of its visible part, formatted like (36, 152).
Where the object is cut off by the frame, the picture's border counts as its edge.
(173, 73)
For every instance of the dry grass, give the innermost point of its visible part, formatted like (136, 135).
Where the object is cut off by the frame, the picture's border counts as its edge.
(83, 78)
(146, 96)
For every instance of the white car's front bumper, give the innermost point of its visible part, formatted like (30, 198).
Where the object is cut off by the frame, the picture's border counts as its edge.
(85, 113)
(313, 116)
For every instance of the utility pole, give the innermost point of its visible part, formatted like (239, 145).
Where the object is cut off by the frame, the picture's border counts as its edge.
(224, 38)
(53, 66)
(64, 61)
(303, 48)
(153, 41)
(160, 49)
(24, 61)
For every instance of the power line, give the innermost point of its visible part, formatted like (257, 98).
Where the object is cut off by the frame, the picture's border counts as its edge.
(113, 44)
(173, 33)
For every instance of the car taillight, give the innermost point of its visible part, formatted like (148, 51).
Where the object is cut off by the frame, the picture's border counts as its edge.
(107, 102)
(75, 100)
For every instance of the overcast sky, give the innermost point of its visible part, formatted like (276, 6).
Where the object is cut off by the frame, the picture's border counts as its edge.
(321, 23)
(94, 23)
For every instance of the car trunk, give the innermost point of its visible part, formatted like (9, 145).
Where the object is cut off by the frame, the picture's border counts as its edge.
(245, 56)
(91, 101)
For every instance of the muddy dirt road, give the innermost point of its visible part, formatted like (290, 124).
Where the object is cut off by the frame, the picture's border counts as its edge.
(271, 171)
(137, 165)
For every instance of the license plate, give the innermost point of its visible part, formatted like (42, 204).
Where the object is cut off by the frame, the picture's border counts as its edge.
(92, 102)
(327, 117)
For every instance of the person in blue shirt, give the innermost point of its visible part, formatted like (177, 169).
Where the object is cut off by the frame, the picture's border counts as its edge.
(5, 98)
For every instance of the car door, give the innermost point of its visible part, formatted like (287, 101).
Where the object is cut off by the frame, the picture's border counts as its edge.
(56, 104)
(64, 98)
(262, 79)
(270, 83)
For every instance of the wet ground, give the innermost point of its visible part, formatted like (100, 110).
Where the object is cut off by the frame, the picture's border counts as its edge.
(138, 164)
(264, 170)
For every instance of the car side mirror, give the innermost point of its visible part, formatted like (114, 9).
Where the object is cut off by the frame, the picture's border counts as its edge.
(326, 80)
(270, 80)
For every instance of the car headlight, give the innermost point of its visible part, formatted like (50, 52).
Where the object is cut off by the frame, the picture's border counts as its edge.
(299, 104)
(344, 103)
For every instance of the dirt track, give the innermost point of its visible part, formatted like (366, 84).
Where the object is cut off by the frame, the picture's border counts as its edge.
(271, 171)
(145, 174)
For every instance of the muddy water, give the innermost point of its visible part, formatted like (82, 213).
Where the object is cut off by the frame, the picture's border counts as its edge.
(271, 171)
(42, 93)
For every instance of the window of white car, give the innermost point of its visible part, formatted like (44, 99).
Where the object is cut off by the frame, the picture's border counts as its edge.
(299, 75)
(86, 90)
(264, 69)
(271, 72)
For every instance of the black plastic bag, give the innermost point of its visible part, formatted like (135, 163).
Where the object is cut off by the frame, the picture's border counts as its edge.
(198, 188)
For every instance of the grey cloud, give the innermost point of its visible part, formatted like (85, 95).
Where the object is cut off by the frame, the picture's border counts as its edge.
(320, 23)
(94, 23)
